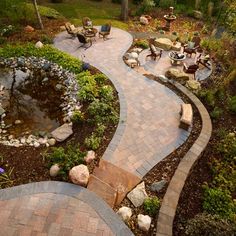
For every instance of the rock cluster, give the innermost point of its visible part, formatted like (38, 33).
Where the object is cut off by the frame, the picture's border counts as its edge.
(131, 58)
(66, 83)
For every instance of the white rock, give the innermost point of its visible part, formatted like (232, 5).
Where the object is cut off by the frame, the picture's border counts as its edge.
(62, 132)
(17, 122)
(138, 50)
(138, 195)
(143, 20)
(132, 62)
(54, 170)
(163, 78)
(79, 175)
(51, 141)
(39, 44)
(134, 55)
(125, 213)
(10, 136)
(42, 140)
(23, 140)
(90, 156)
(144, 222)
(36, 144)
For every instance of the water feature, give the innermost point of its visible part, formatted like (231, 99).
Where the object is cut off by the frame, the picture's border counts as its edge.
(30, 100)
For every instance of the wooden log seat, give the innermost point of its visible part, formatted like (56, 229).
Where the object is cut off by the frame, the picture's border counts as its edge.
(186, 118)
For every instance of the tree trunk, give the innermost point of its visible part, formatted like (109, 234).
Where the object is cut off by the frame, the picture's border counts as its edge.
(37, 14)
(124, 10)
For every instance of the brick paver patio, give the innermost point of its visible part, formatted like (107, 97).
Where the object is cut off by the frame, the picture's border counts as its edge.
(149, 118)
(56, 208)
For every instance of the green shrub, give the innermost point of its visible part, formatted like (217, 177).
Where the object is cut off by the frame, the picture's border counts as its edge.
(219, 202)
(216, 113)
(116, 1)
(209, 225)
(93, 142)
(142, 44)
(100, 130)
(2, 40)
(65, 158)
(106, 93)
(77, 117)
(48, 52)
(232, 104)
(46, 39)
(102, 112)
(151, 205)
(165, 4)
(7, 31)
(208, 96)
(100, 79)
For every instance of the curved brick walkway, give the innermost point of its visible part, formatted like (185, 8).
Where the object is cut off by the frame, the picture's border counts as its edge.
(149, 118)
(56, 208)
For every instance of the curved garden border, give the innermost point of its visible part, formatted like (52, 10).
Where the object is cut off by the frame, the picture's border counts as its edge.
(116, 225)
(171, 198)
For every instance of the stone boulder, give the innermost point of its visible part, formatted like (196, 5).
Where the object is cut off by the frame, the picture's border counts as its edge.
(54, 170)
(197, 15)
(138, 195)
(177, 75)
(132, 62)
(157, 186)
(143, 20)
(163, 43)
(125, 213)
(193, 85)
(90, 156)
(29, 29)
(39, 44)
(63, 132)
(144, 222)
(79, 175)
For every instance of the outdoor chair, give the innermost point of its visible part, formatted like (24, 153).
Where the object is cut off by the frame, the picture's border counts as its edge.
(155, 52)
(205, 61)
(190, 68)
(87, 23)
(84, 41)
(105, 31)
(192, 46)
(71, 29)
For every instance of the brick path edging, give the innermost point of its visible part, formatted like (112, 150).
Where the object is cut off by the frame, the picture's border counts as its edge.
(117, 226)
(170, 201)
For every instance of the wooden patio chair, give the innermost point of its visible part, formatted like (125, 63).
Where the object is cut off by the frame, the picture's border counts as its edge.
(105, 31)
(190, 68)
(87, 23)
(71, 29)
(204, 61)
(155, 52)
(192, 46)
(84, 41)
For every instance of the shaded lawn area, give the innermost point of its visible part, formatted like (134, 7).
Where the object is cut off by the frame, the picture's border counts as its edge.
(99, 12)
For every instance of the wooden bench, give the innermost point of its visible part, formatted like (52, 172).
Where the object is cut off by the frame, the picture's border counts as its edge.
(186, 118)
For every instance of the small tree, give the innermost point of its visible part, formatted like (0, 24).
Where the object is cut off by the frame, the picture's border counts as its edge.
(124, 10)
(37, 14)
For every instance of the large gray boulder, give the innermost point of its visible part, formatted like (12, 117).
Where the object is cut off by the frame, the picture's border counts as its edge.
(138, 195)
(63, 132)
(163, 43)
(79, 175)
(177, 75)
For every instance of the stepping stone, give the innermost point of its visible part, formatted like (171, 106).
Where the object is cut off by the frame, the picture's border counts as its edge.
(121, 180)
(103, 190)
(62, 132)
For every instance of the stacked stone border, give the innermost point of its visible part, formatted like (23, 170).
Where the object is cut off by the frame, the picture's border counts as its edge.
(170, 201)
(113, 221)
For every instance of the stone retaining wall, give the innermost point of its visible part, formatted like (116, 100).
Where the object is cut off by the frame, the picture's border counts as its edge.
(171, 198)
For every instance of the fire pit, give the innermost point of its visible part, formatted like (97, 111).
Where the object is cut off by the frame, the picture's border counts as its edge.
(176, 58)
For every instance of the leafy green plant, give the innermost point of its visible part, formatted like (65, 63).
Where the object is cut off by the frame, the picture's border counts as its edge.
(46, 39)
(151, 205)
(219, 202)
(106, 93)
(165, 4)
(232, 104)
(216, 113)
(6, 179)
(142, 44)
(65, 158)
(208, 96)
(77, 117)
(93, 141)
(206, 224)
(100, 130)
